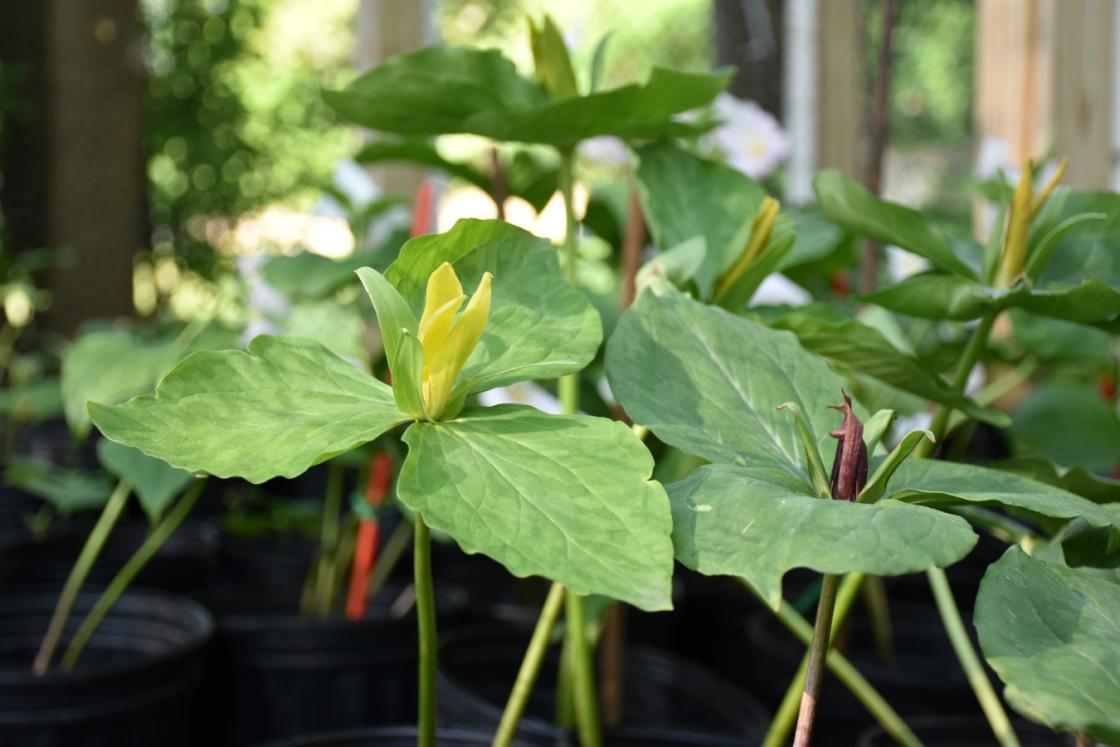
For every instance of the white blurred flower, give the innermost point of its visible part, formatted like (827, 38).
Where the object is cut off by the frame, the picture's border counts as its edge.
(522, 393)
(606, 150)
(750, 137)
(902, 264)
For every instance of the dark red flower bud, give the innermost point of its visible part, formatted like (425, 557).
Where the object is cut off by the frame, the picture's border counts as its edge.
(849, 468)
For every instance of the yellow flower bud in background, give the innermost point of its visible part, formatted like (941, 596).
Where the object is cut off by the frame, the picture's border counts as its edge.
(1024, 207)
(760, 237)
(448, 341)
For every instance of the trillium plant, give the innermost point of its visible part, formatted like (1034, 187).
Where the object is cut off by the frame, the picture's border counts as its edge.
(747, 402)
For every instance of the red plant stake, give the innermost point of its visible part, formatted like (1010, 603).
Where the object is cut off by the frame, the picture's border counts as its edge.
(369, 533)
(422, 210)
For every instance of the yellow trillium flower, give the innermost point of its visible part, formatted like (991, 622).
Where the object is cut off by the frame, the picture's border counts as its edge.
(761, 229)
(448, 341)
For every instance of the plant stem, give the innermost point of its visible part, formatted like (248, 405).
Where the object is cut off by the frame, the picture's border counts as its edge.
(968, 359)
(939, 584)
(970, 662)
(814, 675)
(530, 666)
(426, 626)
(875, 704)
(110, 513)
(391, 554)
(151, 545)
(878, 607)
(583, 676)
(328, 540)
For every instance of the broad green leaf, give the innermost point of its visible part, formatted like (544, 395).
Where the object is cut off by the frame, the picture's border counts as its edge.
(937, 297)
(1089, 301)
(107, 367)
(274, 410)
(421, 152)
(710, 383)
(312, 276)
(875, 427)
(727, 520)
(445, 90)
(937, 483)
(1053, 636)
(1091, 248)
(853, 344)
(153, 480)
(565, 497)
(1055, 339)
(850, 205)
(684, 196)
(551, 59)
(67, 490)
(1077, 480)
(1070, 424)
(337, 326)
(539, 326)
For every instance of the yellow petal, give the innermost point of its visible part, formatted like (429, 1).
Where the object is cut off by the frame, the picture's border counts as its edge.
(446, 360)
(1018, 230)
(760, 236)
(443, 285)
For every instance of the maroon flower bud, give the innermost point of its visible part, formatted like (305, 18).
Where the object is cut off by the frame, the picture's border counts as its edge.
(849, 468)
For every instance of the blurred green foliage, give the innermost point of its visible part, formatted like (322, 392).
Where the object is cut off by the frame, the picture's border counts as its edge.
(932, 72)
(234, 119)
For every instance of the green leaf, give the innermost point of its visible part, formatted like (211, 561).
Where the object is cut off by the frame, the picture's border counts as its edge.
(539, 327)
(274, 410)
(853, 344)
(727, 520)
(1077, 480)
(107, 367)
(850, 205)
(936, 297)
(875, 427)
(819, 477)
(399, 335)
(339, 327)
(444, 90)
(32, 402)
(1092, 249)
(1091, 300)
(877, 483)
(598, 62)
(1053, 636)
(1070, 424)
(565, 497)
(312, 276)
(777, 250)
(66, 490)
(709, 383)
(684, 196)
(551, 59)
(424, 153)
(153, 480)
(1058, 340)
(934, 482)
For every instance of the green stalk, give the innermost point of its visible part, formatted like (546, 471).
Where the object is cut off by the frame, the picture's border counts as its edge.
(426, 624)
(864, 691)
(939, 584)
(971, 354)
(328, 540)
(390, 555)
(814, 673)
(583, 676)
(530, 667)
(578, 651)
(151, 545)
(110, 513)
(970, 662)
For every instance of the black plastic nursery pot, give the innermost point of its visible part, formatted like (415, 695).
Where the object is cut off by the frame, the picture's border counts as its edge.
(965, 731)
(136, 685)
(662, 694)
(398, 736)
(184, 562)
(276, 674)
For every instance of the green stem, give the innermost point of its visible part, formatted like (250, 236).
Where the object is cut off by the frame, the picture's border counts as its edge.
(110, 513)
(565, 708)
(878, 608)
(328, 540)
(970, 662)
(875, 704)
(390, 555)
(151, 545)
(814, 672)
(971, 354)
(426, 625)
(530, 667)
(583, 676)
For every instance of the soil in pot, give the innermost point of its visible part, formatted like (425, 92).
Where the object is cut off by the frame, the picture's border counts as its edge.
(661, 692)
(966, 731)
(136, 685)
(277, 675)
(184, 562)
(398, 736)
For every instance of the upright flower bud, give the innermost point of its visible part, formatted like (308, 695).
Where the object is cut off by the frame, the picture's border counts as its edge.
(1014, 253)
(761, 229)
(849, 468)
(448, 341)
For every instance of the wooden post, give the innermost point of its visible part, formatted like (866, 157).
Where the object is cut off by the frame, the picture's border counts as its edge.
(84, 165)
(842, 98)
